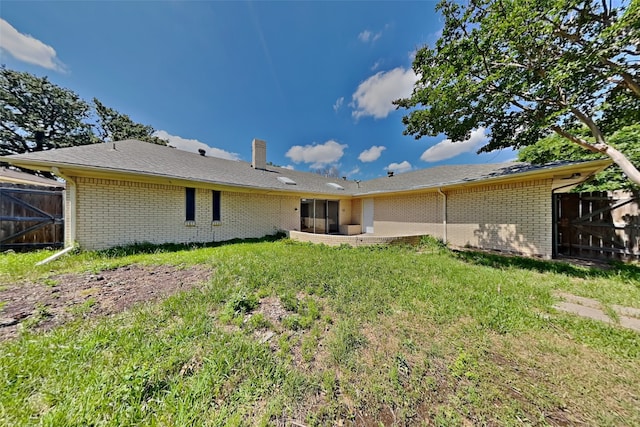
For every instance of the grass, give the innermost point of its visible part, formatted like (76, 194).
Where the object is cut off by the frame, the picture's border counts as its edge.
(372, 335)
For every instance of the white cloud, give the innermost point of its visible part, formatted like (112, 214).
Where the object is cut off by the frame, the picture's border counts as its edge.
(376, 65)
(338, 104)
(399, 167)
(369, 36)
(372, 154)
(28, 49)
(290, 167)
(447, 149)
(354, 171)
(193, 145)
(318, 155)
(375, 95)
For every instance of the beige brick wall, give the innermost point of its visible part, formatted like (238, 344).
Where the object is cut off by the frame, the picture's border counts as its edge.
(513, 218)
(344, 216)
(510, 217)
(356, 211)
(415, 214)
(113, 213)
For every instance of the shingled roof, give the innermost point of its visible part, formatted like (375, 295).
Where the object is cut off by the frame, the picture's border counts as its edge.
(17, 177)
(143, 158)
(151, 160)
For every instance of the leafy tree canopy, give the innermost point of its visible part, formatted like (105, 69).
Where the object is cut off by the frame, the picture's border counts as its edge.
(554, 147)
(523, 69)
(115, 126)
(37, 115)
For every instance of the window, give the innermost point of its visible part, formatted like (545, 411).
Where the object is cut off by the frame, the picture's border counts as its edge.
(216, 205)
(191, 204)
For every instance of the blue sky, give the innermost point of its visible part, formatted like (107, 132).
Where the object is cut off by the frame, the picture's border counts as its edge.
(315, 80)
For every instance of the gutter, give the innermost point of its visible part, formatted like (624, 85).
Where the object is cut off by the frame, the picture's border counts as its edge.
(547, 171)
(444, 215)
(125, 174)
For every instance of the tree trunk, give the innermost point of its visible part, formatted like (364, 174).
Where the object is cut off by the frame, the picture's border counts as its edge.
(627, 167)
(618, 158)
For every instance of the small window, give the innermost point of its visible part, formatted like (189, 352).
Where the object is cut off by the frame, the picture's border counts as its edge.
(191, 204)
(216, 205)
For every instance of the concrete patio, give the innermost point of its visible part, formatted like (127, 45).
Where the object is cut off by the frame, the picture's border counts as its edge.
(353, 240)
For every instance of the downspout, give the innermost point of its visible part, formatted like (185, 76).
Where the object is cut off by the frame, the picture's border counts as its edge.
(72, 229)
(69, 222)
(444, 215)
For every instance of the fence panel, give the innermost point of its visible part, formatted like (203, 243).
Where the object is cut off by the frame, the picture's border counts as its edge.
(30, 217)
(598, 225)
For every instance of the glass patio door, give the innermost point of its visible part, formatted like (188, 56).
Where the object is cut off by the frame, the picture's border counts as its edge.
(319, 216)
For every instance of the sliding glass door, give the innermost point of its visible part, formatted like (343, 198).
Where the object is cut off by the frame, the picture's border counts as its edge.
(319, 216)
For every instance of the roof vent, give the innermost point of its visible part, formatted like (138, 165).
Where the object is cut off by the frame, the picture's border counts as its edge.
(390, 174)
(285, 180)
(202, 151)
(334, 185)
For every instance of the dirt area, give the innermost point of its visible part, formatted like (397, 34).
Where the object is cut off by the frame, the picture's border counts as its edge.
(42, 306)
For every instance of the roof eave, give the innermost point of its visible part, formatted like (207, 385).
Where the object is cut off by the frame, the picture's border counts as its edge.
(70, 170)
(589, 168)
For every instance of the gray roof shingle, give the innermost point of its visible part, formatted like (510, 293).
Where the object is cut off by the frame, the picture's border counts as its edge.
(144, 158)
(157, 160)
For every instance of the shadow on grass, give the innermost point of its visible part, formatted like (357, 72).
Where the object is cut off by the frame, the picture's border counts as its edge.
(151, 248)
(610, 270)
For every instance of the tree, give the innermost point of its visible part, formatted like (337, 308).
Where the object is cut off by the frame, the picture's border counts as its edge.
(36, 115)
(328, 171)
(556, 148)
(115, 126)
(523, 69)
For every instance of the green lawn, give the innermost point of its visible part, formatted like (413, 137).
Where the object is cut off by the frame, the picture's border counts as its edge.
(365, 336)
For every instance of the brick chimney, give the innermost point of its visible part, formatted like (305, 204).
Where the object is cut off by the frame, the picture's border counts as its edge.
(259, 157)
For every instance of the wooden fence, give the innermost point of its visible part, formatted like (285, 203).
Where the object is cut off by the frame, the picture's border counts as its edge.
(598, 225)
(31, 217)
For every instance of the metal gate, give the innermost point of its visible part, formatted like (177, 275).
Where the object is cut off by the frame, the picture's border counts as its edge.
(597, 225)
(30, 218)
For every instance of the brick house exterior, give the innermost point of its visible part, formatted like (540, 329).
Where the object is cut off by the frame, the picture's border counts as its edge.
(131, 191)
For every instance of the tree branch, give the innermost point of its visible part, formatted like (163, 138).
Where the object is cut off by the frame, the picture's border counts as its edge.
(593, 127)
(581, 142)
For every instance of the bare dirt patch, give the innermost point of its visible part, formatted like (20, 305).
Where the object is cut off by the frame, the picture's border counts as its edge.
(42, 306)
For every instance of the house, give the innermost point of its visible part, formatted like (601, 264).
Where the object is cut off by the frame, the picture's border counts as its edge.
(131, 191)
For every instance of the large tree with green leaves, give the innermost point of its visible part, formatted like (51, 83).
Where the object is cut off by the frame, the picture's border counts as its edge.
(556, 148)
(522, 69)
(115, 126)
(37, 115)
